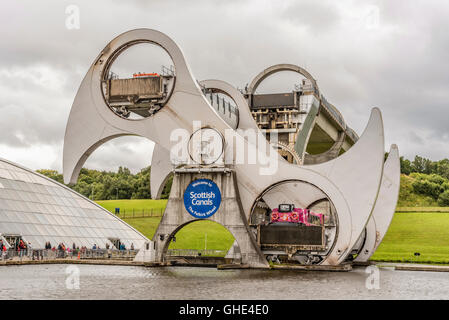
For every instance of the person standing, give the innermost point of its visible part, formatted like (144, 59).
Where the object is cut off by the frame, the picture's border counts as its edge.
(29, 249)
(4, 251)
(21, 248)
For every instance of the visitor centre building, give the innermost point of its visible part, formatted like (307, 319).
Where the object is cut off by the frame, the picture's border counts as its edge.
(38, 210)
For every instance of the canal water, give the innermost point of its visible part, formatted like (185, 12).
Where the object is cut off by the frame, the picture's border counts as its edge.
(129, 282)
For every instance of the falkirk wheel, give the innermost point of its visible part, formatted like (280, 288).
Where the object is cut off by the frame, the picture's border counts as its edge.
(226, 170)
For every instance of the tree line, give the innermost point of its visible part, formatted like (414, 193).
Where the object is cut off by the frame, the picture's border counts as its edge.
(431, 178)
(106, 185)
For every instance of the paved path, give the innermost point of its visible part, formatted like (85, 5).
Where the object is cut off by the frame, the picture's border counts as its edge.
(71, 261)
(346, 267)
(414, 266)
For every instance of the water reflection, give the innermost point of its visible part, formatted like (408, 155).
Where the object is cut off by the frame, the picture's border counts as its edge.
(122, 282)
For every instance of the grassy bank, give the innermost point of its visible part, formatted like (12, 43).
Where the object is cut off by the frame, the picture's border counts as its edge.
(422, 209)
(147, 226)
(138, 204)
(192, 236)
(424, 230)
(421, 232)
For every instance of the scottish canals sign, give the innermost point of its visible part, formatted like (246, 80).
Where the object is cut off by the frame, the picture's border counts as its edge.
(202, 198)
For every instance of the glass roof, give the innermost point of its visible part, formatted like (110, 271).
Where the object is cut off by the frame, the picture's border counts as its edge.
(39, 210)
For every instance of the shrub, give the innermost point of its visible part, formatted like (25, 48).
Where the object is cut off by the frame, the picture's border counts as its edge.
(445, 186)
(427, 188)
(443, 199)
(436, 179)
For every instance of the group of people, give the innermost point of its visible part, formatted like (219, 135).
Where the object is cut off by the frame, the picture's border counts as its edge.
(48, 245)
(22, 248)
(61, 249)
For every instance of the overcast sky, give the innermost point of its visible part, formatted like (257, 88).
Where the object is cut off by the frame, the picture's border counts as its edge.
(388, 54)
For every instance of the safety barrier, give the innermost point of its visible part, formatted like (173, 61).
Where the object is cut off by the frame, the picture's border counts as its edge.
(195, 253)
(220, 103)
(50, 254)
(140, 213)
(351, 133)
(333, 112)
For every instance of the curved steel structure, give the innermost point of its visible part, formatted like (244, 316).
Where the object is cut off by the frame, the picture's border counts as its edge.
(304, 100)
(279, 68)
(92, 123)
(384, 208)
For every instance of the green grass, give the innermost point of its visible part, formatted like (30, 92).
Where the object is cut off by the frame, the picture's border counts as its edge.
(425, 230)
(128, 205)
(191, 236)
(422, 209)
(410, 232)
(147, 226)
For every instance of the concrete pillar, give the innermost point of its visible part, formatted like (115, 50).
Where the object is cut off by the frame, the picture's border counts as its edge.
(146, 253)
(229, 215)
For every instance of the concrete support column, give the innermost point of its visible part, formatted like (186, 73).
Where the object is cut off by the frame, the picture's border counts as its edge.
(229, 215)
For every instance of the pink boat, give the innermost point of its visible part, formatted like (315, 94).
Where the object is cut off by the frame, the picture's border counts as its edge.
(288, 213)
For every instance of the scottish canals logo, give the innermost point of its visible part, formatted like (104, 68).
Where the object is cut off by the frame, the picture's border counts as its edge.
(202, 198)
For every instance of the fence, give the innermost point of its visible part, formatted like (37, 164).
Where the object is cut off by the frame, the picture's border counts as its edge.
(91, 254)
(195, 253)
(422, 209)
(140, 213)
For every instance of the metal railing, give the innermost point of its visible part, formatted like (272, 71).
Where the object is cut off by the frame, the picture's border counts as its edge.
(168, 71)
(195, 253)
(221, 104)
(352, 134)
(140, 213)
(50, 254)
(333, 112)
(103, 254)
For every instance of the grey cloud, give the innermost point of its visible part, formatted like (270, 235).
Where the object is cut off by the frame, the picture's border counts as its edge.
(315, 16)
(401, 66)
(132, 152)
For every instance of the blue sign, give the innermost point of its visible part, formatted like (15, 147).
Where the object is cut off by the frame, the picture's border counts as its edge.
(202, 198)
